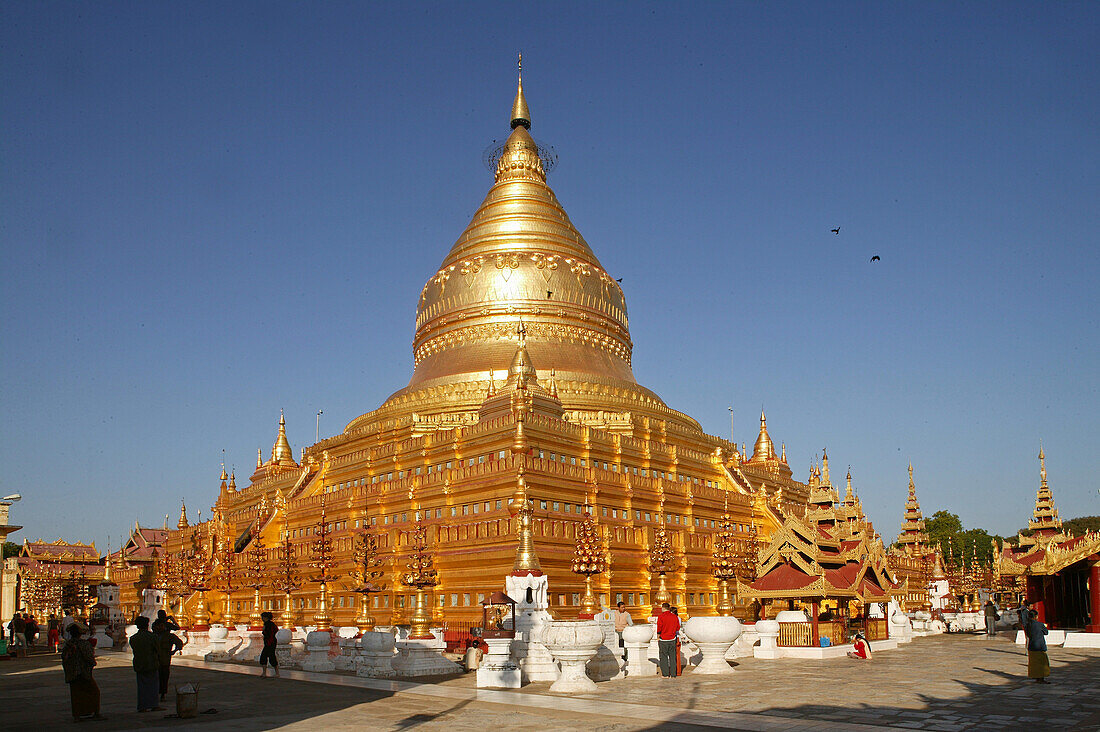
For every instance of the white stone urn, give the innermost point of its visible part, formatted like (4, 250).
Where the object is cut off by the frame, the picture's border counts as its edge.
(791, 616)
(768, 630)
(217, 636)
(347, 631)
(572, 643)
(283, 636)
(375, 654)
(317, 644)
(636, 639)
(714, 635)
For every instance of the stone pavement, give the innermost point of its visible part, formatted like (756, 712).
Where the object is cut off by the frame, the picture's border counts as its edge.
(940, 683)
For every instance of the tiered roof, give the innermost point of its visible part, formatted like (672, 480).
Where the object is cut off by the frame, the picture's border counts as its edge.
(913, 536)
(831, 552)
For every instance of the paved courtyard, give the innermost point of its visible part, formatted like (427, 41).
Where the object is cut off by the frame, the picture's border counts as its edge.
(941, 683)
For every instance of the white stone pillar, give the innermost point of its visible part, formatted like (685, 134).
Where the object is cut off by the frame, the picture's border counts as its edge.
(497, 669)
(636, 638)
(317, 645)
(768, 630)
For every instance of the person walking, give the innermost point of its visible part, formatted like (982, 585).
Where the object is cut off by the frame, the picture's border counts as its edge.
(668, 625)
(1038, 663)
(30, 629)
(991, 618)
(146, 665)
(53, 632)
(622, 619)
(267, 655)
(168, 643)
(18, 628)
(77, 660)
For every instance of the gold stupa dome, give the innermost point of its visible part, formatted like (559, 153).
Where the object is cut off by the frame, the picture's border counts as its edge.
(521, 258)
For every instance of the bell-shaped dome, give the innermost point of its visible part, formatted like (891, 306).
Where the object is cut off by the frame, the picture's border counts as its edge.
(521, 258)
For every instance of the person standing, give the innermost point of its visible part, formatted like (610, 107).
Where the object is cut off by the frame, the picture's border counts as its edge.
(622, 619)
(267, 655)
(53, 632)
(668, 625)
(1038, 663)
(991, 617)
(167, 645)
(77, 660)
(18, 628)
(30, 629)
(146, 665)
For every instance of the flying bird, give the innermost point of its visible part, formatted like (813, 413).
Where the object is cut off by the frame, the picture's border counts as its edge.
(619, 280)
(836, 231)
(876, 258)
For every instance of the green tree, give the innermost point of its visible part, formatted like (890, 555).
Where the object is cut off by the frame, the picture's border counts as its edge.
(1082, 524)
(943, 526)
(11, 549)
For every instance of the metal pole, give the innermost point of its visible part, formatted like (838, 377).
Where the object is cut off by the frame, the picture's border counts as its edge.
(317, 437)
(731, 427)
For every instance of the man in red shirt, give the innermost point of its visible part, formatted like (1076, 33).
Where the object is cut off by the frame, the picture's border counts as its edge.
(668, 625)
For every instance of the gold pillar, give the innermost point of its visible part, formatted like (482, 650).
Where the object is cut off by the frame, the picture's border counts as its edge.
(725, 605)
(202, 616)
(322, 619)
(288, 612)
(364, 621)
(227, 616)
(255, 620)
(422, 617)
(589, 606)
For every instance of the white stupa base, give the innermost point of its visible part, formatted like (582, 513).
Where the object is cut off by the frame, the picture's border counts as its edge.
(1082, 640)
(714, 658)
(497, 669)
(423, 658)
(252, 644)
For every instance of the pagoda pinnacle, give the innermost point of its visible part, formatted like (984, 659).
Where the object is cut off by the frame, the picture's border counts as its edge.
(1042, 464)
(849, 496)
(521, 115)
(825, 480)
(183, 515)
(259, 457)
(232, 481)
(764, 449)
(281, 452)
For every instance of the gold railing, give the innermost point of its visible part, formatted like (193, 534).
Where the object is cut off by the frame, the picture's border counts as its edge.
(795, 635)
(876, 629)
(835, 630)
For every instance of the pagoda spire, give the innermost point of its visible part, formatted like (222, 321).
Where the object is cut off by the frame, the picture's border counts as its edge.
(764, 449)
(912, 537)
(825, 480)
(1045, 522)
(183, 516)
(259, 457)
(281, 452)
(521, 115)
(232, 486)
(849, 496)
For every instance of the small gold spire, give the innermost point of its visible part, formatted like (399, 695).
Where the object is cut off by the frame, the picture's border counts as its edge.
(492, 384)
(764, 449)
(183, 515)
(783, 457)
(553, 390)
(225, 476)
(232, 482)
(521, 507)
(281, 452)
(825, 480)
(521, 115)
(259, 457)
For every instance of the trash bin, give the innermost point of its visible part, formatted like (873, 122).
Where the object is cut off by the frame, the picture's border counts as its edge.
(187, 700)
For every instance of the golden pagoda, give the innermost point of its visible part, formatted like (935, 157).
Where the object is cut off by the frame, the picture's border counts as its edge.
(521, 376)
(911, 559)
(1045, 524)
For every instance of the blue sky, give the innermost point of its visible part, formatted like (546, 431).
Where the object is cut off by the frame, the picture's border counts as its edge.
(211, 212)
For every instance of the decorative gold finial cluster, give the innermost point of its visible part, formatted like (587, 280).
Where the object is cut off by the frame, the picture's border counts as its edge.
(287, 577)
(255, 573)
(200, 564)
(421, 576)
(588, 560)
(227, 580)
(322, 562)
(724, 560)
(367, 576)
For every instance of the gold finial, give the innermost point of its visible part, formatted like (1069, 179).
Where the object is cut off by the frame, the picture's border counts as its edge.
(783, 457)
(849, 496)
(232, 481)
(1042, 463)
(825, 480)
(527, 561)
(421, 576)
(259, 457)
(492, 384)
(225, 476)
(763, 449)
(183, 515)
(553, 390)
(281, 452)
(521, 115)
(588, 560)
